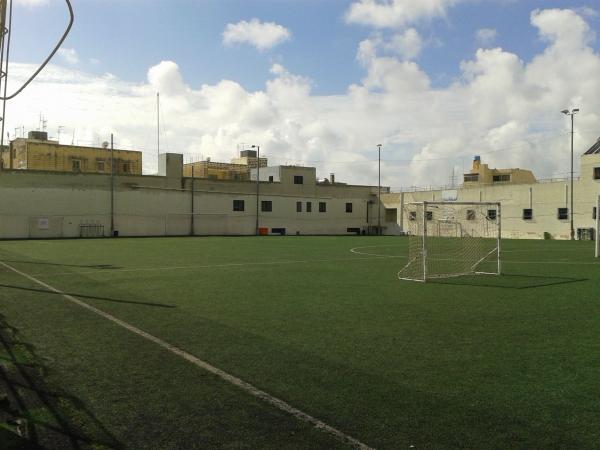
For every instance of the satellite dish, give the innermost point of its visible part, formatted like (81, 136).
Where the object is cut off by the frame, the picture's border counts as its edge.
(105, 144)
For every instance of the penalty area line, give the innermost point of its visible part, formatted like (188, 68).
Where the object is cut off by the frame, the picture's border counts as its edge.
(243, 385)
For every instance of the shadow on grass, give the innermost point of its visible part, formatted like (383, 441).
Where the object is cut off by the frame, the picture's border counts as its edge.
(83, 266)
(49, 413)
(508, 281)
(93, 297)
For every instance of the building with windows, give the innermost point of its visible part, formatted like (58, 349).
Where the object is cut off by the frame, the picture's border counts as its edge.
(531, 209)
(37, 152)
(238, 169)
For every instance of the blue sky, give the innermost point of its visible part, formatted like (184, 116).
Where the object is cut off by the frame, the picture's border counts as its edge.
(129, 36)
(434, 81)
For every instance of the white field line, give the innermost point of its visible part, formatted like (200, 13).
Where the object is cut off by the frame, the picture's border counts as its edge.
(356, 251)
(247, 387)
(210, 266)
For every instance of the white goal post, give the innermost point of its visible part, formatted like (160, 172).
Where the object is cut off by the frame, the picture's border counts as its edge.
(449, 239)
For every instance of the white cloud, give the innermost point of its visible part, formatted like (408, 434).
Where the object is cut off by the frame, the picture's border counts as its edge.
(407, 45)
(396, 13)
(32, 3)
(69, 55)
(262, 35)
(503, 108)
(486, 36)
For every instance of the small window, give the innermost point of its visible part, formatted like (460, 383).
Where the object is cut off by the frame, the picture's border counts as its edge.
(100, 166)
(501, 178)
(429, 215)
(596, 173)
(266, 206)
(308, 207)
(563, 213)
(470, 214)
(238, 205)
(298, 179)
(391, 215)
(348, 207)
(126, 168)
(298, 206)
(492, 214)
(270, 178)
(527, 214)
(76, 164)
(594, 212)
(471, 177)
(412, 215)
(322, 207)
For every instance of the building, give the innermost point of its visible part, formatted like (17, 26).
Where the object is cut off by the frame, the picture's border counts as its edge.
(531, 209)
(482, 174)
(238, 169)
(51, 204)
(37, 152)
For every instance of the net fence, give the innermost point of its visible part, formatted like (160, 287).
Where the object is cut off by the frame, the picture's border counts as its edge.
(451, 239)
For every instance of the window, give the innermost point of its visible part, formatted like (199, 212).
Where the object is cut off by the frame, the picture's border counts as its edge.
(470, 214)
(429, 215)
(348, 207)
(563, 213)
(298, 206)
(527, 214)
(238, 205)
(270, 178)
(412, 215)
(266, 206)
(391, 215)
(471, 177)
(100, 166)
(76, 164)
(322, 207)
(126, 167)
(501, 178)
(596, 173)
(594, 212)
(298, 179)
(308, 207)
(492, 213)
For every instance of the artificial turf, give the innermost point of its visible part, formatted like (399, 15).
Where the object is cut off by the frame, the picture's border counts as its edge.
(469, 362)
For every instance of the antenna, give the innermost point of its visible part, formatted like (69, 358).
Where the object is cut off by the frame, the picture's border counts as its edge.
(157, 131)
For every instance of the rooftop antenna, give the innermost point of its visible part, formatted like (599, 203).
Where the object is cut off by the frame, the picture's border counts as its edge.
(157, 131)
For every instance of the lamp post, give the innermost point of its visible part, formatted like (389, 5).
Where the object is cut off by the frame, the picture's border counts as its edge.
(257, 147)
(379, 190)
(572, 114)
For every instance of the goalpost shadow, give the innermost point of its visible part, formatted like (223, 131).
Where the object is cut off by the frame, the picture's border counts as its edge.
(507, 281)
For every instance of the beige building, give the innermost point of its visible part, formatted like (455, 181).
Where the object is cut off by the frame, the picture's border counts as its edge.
(37, 152)
(482, 174)
(54, 204)
(238, 169)
(534, 209)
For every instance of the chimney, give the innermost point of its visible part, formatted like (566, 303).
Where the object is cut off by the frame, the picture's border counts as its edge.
(332, 178)
(476, 163)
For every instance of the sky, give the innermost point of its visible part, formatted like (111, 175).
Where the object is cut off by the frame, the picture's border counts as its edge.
(318, 82)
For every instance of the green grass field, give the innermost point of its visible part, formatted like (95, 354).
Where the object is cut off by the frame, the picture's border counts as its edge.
(469, 362)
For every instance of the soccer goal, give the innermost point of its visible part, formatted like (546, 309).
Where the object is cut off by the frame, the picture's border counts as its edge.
(450, 239)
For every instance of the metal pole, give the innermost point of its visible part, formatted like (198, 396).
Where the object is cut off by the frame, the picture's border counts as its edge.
(499, 214)
(112, 187)
(379, 191)
(4, 67)
(424, 249)
(192, 195)
(257, 185)
(598, 228)
(572, 207)
(158, 132)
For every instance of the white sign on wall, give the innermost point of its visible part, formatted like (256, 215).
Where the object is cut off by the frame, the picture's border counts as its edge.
(43, 223)
(450, 195)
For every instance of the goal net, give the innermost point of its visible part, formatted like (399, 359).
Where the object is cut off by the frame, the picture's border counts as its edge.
(449, 239)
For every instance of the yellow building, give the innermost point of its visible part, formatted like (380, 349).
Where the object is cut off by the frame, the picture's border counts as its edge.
(36, 152)
(482, 174)
(238, 169)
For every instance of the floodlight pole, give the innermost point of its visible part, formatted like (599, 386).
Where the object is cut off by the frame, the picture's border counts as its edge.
(112, 187)
(192, 195)
(499, 219)
(598, 228)
(379, 191)
(257, 147)
(572, 114)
